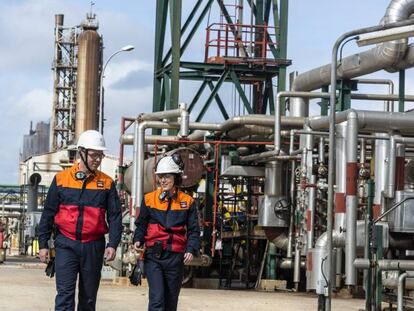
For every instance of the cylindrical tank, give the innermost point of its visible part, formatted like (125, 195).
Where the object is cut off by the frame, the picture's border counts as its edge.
(273, 206)
(193, 170)
(273, 178)
(317, 269)
(87, 84)
(298, 107)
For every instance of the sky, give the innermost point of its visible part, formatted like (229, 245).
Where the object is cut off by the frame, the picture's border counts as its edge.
(26, 55)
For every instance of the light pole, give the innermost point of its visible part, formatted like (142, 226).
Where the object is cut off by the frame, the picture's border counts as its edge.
(126, 48)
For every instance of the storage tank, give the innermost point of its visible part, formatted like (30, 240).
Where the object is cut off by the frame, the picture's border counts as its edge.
(88, 71)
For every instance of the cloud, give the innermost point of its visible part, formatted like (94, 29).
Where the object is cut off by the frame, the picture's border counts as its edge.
(27, 33)
(34, 105)
(135, 79)
(117, 74)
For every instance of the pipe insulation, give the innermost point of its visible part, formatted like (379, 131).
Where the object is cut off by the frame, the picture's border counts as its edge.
(391, 55)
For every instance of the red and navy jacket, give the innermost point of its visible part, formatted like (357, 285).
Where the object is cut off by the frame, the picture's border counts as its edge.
(83, 210)
(173, 221)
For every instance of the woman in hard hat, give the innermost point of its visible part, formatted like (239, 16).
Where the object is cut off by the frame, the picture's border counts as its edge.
(168, 227)
(83, 205)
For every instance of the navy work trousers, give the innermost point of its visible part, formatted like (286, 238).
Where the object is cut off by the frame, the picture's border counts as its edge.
(164, 277)
(75, 258)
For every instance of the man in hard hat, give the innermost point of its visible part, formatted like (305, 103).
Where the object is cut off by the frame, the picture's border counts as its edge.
(83, 205)
(168, 227)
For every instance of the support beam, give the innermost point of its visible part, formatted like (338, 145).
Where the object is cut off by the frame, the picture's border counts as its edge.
(197, 96)
(240, 90)
(212, 96)
(175, 16)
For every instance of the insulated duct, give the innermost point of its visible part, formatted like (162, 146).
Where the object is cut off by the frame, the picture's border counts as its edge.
(388, 55)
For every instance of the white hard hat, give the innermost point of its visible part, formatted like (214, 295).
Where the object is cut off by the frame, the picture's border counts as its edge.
(169, 165)
(91, 139)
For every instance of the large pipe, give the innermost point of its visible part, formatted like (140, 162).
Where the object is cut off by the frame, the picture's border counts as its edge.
(160, 115)
(392, 161)
(401, 288)
(381, 57)
(371, 121)
(292, 195)
(380, 172)
(338, 240)
(227, 125)
(331, 164)
(384, 264)
(388, 105)
(340, 204)
(278, 117)
(137, 191)
(351, 196)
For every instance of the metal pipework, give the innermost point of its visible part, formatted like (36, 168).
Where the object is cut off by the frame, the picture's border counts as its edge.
(351, 196)
(384, 264)
(362, 155)
(128, 139)
(287, 263)
(137, 191)
(371, 121)
(388, 105)
(381, 57)
(401, 288)
(321, 150)
(227, 125)
(278, 115)
(331, 163)
(160, 115)
(392, 208)
(307, 95)
(292, 195)
(338, 240)
(340, 182)
(392, 161)
(185, 121)
(311, 213)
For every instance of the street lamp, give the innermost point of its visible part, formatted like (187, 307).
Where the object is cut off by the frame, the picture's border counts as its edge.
(381, 33)
(126, 48)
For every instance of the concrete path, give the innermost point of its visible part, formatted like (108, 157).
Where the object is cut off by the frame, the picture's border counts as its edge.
(24, 287)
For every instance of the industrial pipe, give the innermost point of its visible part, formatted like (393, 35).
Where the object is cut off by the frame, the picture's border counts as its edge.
(160, 115)
(394, 139)
(401, 288)
(388, 105)
(310, 213)
(381, 57)
(137, 191)
(331, 164)
(384, 264)
(351, 196)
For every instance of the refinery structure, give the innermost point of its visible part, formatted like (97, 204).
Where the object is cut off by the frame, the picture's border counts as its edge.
(316, 204)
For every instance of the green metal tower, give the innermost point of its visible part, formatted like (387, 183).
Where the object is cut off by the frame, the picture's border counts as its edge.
(251, 56)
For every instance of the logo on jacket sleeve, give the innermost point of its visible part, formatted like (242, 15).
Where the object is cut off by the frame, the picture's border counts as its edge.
(183, 204)
(100, 183)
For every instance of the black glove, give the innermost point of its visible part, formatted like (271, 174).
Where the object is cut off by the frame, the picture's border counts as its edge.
(50, 268)
(137, 273)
